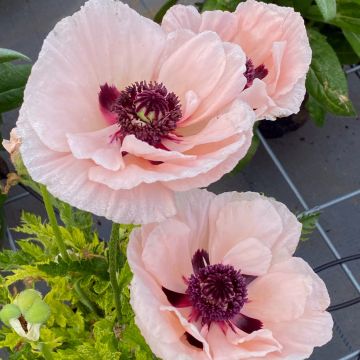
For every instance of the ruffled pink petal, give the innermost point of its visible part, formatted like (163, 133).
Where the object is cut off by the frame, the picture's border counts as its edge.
(222, 22)
(164, 244)
(234, 346)
(181, 17)
(61, 96)
(139, 148)
(98, 146)
(187, 17)
(202, 70)
(284, 50)
(228, 88)
(143, 204)
(233, 211)
(163, 330)
(300, 336)
(250, 256)
(319, 299)
(239, 220)
(236, 119)
(278, 296)
(193, 209)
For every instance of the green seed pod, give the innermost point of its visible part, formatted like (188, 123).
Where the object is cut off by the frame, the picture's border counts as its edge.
(26, 298)
(38, 313)
(8, 312)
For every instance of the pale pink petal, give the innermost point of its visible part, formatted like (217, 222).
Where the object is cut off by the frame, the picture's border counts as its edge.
(319, 298)
(165, 249)
(231, 211)
(145, 203)
(271, 25)
(239, 220)
(234, 347)
(193, 210)
(77, 58)
(181, 17)
(299, 337)
(229, 86)
(236, 119)
(202, 70)
(222, 22)
(98, 146)
(250, 256)
(163, 330)
(278, 297)
(142, 149)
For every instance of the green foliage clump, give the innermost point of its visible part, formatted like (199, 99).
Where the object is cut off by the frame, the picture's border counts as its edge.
(82, 323)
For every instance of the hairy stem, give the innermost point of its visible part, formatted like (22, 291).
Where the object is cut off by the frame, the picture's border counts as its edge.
(53, 222)
(113, 250)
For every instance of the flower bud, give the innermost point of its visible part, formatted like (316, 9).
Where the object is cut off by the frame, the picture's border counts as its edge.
(38, 313)
(26, 299)
(8, 312)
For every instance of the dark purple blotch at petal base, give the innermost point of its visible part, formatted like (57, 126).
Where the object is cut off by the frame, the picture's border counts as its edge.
(193, 341)
(107, 96)
(176, 299)
(200, 260)
(246, 323)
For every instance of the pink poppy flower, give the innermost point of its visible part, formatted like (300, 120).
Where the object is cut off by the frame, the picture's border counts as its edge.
(218, 281)
(118, 114)
(275, 41)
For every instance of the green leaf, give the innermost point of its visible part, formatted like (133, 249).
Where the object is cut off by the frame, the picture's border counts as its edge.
(326, 81)
(308, 222)
(354, 40)
(302, 5)
(249, 155)
(7, 55)
(13, 79)
(96, 266)
(348, 15)
(160, 14)
(316, 111)
(342, 47)
(74, 218)
(225, 5)
(327, 8)
(10, 259)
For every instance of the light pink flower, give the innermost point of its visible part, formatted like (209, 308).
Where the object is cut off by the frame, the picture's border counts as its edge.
(275, 41)
(218, 281)
(118, 114)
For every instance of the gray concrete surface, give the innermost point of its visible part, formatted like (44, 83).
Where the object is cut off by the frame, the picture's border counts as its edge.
(323, 164)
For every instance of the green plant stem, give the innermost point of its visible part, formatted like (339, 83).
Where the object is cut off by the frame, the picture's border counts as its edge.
(113, 250)
(83, 297)
(46, 351)
(53, 222)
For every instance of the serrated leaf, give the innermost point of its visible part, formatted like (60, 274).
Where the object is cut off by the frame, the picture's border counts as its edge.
(354, 40)
(225, 5)
(308, 222)
(326, 81)
(98, 266)
(13, 79)
(327, 8)
(316, 111)
(348, 15)
(10, 259)
(7, 55)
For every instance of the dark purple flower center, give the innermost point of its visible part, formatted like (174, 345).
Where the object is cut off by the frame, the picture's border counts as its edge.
(146, 110)
(217, 292)
(253, 73)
